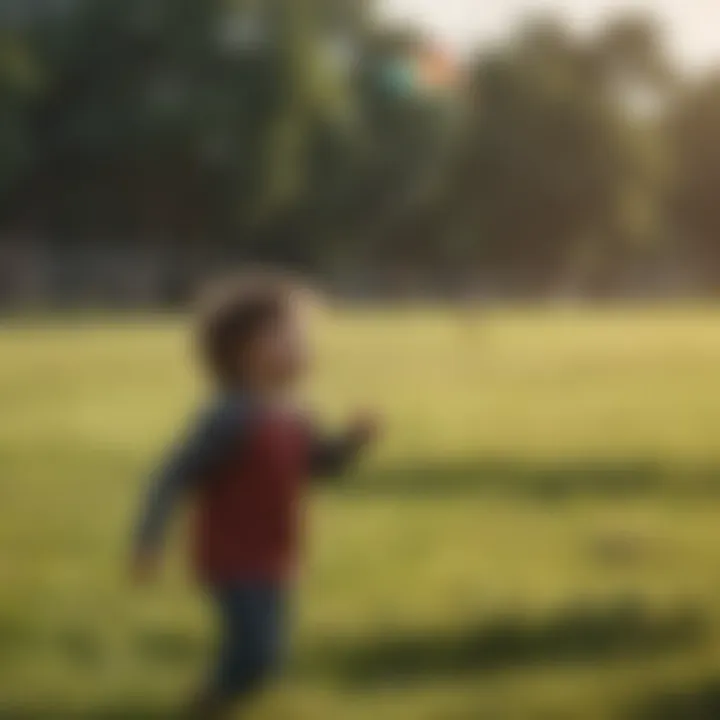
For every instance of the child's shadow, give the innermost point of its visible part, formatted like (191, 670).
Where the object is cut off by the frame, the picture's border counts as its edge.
(580, 635)
(540, 480)
(700, 702)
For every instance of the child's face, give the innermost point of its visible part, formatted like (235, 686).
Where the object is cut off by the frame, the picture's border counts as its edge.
(279, 358)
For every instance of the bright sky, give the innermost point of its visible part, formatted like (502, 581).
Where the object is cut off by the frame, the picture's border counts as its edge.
(692, 26)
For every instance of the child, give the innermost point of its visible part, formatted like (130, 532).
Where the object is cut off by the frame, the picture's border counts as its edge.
(245, 467)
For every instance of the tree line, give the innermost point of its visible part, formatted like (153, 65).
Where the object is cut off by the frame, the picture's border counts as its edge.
(313, 134)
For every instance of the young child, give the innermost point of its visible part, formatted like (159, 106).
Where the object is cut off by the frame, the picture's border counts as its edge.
(245, 466)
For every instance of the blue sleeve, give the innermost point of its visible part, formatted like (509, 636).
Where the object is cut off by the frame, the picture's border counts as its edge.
(214, 435)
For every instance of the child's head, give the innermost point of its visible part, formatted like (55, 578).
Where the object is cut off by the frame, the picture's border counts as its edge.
(251, 335)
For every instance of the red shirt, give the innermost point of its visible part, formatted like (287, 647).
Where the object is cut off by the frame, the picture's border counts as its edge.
(249, 511)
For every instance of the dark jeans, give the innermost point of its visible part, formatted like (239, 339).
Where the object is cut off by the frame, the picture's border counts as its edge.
(252, 638)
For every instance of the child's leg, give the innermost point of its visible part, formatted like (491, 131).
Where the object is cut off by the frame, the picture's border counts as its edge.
(251, 644)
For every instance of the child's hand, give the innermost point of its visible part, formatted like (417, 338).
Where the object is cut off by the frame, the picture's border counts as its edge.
(144, 567)
(365, 428)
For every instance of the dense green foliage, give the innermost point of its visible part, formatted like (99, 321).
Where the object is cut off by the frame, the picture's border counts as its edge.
(302, 132)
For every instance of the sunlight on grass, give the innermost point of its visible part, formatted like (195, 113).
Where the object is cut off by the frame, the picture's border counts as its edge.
(542, 516)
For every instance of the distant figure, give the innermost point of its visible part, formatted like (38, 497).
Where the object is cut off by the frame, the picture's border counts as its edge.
(245, 467)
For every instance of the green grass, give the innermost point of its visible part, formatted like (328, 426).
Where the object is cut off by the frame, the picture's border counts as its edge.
(537, 537)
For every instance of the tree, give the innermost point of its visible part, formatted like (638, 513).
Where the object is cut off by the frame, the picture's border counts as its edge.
(194, 120)
(694, 132)
(551, 159)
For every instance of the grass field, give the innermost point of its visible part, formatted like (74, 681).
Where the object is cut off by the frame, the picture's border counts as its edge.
(537, 537)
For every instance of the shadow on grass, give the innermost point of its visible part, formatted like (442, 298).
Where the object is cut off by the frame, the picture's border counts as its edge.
(121, 710)
(542, 480)
(581, 635)
(700, 702)
(81, 647)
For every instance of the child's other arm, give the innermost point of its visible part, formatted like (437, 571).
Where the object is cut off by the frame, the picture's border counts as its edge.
(332, 455)
(207, 443)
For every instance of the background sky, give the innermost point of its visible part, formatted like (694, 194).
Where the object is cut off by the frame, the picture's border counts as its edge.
(692, 26)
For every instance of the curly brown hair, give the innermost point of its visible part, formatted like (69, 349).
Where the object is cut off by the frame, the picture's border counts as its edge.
(233, 314)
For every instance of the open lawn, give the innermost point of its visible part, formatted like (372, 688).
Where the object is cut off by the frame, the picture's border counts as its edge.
(537, 537)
